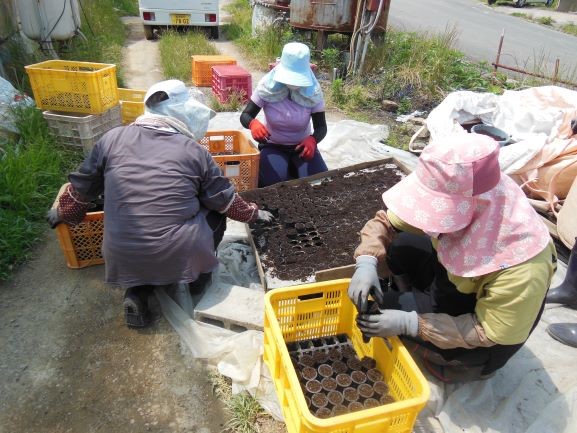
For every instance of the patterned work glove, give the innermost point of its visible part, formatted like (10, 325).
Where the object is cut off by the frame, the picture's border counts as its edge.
(307, 148)
(258, 131)
(389, 323)
(365, 281)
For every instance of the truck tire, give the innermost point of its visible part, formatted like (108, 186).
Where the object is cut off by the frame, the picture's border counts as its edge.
(520, 3)
(214, 33)
(148, 33)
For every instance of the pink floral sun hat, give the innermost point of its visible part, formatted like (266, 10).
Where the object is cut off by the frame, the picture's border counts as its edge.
(482, 218)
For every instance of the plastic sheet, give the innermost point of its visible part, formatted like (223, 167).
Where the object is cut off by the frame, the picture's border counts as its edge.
(10, 98)
(535, 392)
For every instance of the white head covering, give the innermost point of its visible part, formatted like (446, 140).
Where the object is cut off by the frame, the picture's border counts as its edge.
(171, 101)
(293, 70)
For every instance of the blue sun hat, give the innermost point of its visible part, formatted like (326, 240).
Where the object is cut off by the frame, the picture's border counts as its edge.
(294, 67)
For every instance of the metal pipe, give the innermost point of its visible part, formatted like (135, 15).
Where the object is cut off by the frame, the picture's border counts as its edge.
(521, 71)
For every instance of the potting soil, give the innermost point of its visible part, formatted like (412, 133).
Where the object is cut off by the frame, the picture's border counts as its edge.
(317, 226)
(334, 380)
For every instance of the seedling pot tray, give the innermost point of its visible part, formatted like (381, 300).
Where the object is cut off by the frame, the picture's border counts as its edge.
(318, 221)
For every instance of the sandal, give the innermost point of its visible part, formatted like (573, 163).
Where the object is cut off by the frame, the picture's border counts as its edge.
(135, 303)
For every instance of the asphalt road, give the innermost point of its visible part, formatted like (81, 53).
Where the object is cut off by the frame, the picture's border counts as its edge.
(526, 44)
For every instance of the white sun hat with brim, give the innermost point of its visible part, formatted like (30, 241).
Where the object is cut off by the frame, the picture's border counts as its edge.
(294, 67)
(172, 98)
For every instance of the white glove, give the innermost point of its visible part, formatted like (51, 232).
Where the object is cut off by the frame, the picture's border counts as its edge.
(365, 281)
(265, 216)
(53, 218)
(389, 323)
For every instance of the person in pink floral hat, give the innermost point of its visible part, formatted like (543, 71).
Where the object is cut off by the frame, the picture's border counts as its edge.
(470, 261)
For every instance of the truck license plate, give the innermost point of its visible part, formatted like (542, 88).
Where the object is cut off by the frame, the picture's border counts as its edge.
(180, 19)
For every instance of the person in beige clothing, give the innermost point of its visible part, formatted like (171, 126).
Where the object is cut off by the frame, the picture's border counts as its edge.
(471, 259)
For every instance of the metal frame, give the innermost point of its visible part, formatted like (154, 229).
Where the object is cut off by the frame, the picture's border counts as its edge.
(554, 79)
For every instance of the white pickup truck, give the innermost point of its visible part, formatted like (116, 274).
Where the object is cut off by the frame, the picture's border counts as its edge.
(159, 14)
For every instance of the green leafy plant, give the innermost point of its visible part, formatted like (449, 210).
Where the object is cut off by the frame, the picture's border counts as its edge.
(547, 21)
(235, 101)
(32, 168)
(331, 58)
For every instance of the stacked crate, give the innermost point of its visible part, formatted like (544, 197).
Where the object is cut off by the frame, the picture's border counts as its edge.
(131, 104)
(230, 79)
(202, 68)
(80, 99)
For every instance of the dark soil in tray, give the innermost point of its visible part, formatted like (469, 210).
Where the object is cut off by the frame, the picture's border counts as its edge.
(317, 226)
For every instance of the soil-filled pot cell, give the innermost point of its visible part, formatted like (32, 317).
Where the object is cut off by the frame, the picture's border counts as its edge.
(319, 400)
(313, 386)
(336, 210)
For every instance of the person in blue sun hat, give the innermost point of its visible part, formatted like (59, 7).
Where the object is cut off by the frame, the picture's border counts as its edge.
(290, 97)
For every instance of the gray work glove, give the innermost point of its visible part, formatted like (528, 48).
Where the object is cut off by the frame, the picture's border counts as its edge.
(265, 216)
(389, 323)
(365, 281)
(53, 218)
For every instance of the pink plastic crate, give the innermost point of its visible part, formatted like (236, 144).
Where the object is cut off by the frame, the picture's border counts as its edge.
(228, 78)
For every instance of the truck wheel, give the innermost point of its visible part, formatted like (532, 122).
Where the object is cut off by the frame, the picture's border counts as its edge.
(549, 3)
(520, 3)
(148, 34)
(214, 33)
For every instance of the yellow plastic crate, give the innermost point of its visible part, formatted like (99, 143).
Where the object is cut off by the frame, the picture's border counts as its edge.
(324, 309)
(131, 103)
(236, 156)
(202, 68)
(82, 243)
(73, 87)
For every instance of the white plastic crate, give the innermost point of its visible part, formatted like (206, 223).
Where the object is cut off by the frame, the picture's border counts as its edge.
(82, 130)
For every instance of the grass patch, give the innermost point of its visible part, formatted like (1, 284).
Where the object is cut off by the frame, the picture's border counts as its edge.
(126, 7)
(234, 103)
(546, 21)
(176, 50)
(245, 412)
(266, 45)
(32, 169)
(414, 70)
(569, 29)
(33, 166)
(105, 34)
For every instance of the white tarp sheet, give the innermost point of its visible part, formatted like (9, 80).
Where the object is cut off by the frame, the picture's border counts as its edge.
(534, 118)
(536, 392)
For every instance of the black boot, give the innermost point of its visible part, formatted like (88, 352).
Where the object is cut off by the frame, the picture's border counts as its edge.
(566, 333)
(566, 292)
(136, 314)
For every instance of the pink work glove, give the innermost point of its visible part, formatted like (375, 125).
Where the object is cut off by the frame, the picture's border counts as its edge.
(307, 148)
(258, 130)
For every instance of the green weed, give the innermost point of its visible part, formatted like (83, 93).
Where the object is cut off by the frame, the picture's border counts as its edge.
(32, 169)
(331, 58)
(126, 7)
(102, 34)
(235, 101)
(569, 28)
(547, 21)
(177, 49)
(263, 47)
